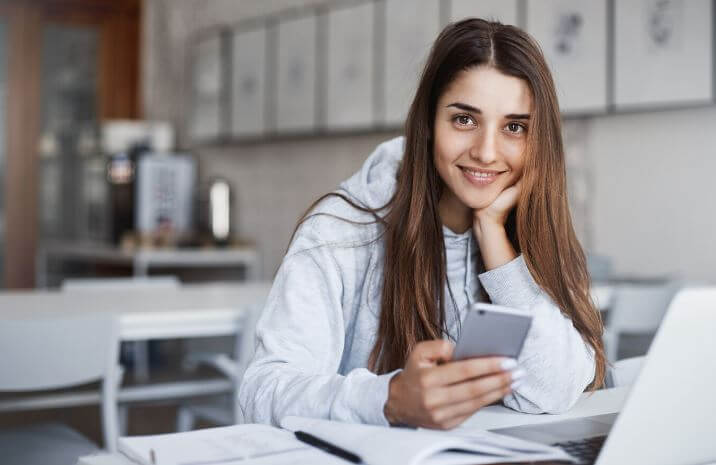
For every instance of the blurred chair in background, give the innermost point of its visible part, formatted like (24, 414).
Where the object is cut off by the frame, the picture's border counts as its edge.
(138, 351)
(600, 267)
(636, 311)
(624, 372)
(695, 297)
(56, 353)
(225, 410)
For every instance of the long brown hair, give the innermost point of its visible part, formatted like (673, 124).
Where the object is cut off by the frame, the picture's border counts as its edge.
(414, 277)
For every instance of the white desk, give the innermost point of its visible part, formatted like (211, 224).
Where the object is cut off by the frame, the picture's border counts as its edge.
(595, 403)
(493, 417)
(191, 311)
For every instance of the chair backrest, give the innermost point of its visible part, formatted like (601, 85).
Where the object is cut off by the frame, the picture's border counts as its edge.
(639, 308)
(600, 267)
(108, 284)
(53, 353)
(625, 371)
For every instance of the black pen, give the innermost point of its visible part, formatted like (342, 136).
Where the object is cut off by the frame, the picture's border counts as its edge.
(327, 447)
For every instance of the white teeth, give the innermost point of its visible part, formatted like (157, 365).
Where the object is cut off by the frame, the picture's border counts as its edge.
(478, 174)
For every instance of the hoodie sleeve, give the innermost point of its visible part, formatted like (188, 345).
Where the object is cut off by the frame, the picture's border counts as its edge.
(559, 364)
(299, 347)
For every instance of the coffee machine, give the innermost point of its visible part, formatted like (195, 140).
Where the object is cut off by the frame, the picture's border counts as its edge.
(151, 187)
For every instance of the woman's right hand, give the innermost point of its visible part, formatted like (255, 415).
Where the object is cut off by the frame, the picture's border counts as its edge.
(433, 392)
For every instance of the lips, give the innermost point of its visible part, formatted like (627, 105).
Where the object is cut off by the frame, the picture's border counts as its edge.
(480, 177)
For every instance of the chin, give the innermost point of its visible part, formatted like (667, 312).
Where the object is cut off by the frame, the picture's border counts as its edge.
(477, 202)
(478, 205)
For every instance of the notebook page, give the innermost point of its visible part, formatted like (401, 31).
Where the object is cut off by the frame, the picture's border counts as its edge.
(379, 445)
(464, 458)
(238, 442)
(311, 456)
(376, 445)
(507, 443)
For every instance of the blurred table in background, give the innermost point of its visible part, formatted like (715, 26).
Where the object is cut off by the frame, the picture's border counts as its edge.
(192, 311)
(52, 255)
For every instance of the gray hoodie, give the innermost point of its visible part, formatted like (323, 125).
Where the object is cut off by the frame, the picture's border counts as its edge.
(321, 317)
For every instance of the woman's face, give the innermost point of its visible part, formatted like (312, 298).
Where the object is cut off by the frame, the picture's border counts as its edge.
(481, 125)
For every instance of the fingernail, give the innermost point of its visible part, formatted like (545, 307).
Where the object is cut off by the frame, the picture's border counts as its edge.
(508, 364)
(517, 374)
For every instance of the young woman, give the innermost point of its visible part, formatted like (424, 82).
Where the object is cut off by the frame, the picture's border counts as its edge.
(470, 206)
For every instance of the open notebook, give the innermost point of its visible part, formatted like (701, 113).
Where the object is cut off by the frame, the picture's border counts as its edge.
(375, 445)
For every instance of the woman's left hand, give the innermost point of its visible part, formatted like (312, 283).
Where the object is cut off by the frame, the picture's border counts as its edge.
(489, 228)
(496, 213)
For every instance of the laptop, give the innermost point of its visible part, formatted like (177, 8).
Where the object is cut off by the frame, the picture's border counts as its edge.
(669, 417)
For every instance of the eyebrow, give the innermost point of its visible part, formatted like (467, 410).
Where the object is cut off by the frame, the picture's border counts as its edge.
(471, 109)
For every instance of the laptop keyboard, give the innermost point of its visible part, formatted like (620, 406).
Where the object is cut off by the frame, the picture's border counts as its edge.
(585, 450)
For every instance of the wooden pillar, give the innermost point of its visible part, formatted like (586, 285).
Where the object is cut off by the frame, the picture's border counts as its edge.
(118, 97)
(23, 120)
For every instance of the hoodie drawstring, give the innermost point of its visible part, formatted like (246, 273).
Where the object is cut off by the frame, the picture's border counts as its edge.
(468, 280)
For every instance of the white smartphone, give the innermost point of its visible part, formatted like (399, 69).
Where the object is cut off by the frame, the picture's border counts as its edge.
(492, 330)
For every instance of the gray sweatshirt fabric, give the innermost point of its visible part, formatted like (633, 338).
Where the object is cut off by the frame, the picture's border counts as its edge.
(320, 321)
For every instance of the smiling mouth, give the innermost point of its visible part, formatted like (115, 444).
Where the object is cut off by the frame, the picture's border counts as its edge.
(480, 177)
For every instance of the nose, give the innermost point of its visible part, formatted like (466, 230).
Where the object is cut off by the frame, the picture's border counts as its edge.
(484, 147)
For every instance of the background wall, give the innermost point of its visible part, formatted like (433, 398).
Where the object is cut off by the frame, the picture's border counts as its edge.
(654, 191)
(639, 183)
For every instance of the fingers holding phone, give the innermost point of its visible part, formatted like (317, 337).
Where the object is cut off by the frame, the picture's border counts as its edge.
(433, 394)
(442, 385)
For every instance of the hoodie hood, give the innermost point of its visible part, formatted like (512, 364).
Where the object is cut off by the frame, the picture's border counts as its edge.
(373, 185)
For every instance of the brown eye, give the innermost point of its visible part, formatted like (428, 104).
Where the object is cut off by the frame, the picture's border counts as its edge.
(463, 120)
(516, 128)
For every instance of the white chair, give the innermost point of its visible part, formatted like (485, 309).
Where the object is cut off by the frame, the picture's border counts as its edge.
(600, 267)
(224, 411)
(55, 353)
(625, 371)
(138, 349)
(637, 309)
